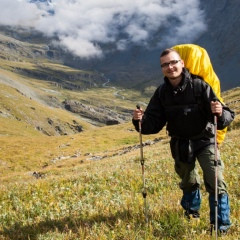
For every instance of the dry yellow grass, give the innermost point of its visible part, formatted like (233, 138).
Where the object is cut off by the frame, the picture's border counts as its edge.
(88, 186)
(85, 199)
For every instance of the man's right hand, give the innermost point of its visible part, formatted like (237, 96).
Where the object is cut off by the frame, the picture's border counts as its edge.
(137, 114)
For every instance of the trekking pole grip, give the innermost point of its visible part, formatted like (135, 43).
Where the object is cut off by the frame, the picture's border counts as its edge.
(140, 121)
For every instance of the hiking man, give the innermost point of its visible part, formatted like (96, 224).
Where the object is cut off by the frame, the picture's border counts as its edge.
(189, 122)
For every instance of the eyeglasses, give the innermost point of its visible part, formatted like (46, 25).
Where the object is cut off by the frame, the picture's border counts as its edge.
(172, 63)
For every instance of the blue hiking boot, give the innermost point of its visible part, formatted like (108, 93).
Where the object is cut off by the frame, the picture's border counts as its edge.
(223, 212)
(191, 203)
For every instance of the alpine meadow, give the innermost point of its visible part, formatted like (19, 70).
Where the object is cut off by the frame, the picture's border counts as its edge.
(66, 178)
(70, 158)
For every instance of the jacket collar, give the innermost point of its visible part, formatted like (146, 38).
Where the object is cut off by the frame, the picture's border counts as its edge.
(186, 76)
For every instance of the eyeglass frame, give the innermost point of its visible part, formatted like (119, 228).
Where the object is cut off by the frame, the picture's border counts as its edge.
(172, 63)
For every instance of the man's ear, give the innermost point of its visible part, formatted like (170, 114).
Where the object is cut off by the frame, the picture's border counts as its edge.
(182, 63)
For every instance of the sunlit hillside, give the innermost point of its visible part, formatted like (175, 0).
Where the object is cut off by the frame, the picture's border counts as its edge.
(88, 185)
(64, 175)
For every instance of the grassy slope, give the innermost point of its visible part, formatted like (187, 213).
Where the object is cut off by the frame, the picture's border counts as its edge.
(80, 198)
(102, 199)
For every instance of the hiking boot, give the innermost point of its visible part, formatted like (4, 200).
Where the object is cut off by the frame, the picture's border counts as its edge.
(222, 230)
(192, 214)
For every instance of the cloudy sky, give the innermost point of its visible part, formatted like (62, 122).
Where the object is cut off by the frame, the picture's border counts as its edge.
(84, 27)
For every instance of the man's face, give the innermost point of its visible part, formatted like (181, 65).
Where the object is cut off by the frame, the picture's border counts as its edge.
(171, 65)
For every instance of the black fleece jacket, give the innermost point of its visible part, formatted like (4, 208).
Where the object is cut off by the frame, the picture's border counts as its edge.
(176, 108)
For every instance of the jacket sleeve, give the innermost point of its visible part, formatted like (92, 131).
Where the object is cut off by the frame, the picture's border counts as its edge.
(226, 118)
(154, 117)
(227, 115)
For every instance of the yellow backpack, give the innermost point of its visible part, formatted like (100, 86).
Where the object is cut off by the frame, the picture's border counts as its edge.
(196, 59)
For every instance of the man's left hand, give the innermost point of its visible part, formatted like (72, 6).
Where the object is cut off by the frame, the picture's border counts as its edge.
(216, 108)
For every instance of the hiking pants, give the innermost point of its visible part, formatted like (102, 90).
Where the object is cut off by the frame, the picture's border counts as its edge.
(190, 183)
(190, 180)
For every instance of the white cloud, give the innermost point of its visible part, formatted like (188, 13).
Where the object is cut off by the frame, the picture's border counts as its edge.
(19, 12)
(83, 25)
(81, 47)
(136, 33)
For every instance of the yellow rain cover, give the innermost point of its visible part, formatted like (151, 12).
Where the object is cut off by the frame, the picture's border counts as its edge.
(196, 59)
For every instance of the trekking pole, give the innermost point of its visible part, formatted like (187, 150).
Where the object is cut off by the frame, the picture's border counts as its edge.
(216, 175)
(144, 192)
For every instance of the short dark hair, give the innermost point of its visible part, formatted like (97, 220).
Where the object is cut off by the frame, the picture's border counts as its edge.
(167, 51)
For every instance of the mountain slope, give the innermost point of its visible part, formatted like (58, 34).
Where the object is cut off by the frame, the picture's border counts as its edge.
(23, 115)
(89, 186)
(43, 82)
(30, 64)
(139, 68)
(222, 39)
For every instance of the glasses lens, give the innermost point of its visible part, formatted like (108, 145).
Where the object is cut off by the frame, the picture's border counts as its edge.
(172, 63)
(164, 65)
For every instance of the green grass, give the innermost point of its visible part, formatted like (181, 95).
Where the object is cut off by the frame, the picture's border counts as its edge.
(103, 199)
(90, 184)
(79, 198)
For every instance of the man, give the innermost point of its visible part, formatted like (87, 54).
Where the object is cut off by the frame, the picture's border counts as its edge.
(189, 121)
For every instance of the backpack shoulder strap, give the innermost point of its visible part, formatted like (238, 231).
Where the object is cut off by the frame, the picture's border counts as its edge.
(161, 91)
(197, 87)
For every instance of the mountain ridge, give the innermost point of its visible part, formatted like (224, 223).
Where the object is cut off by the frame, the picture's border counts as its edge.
(138, 67)
(43, 78)
(105, 91)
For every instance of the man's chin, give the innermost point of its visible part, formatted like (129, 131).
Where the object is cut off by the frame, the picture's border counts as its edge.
(173, 76)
